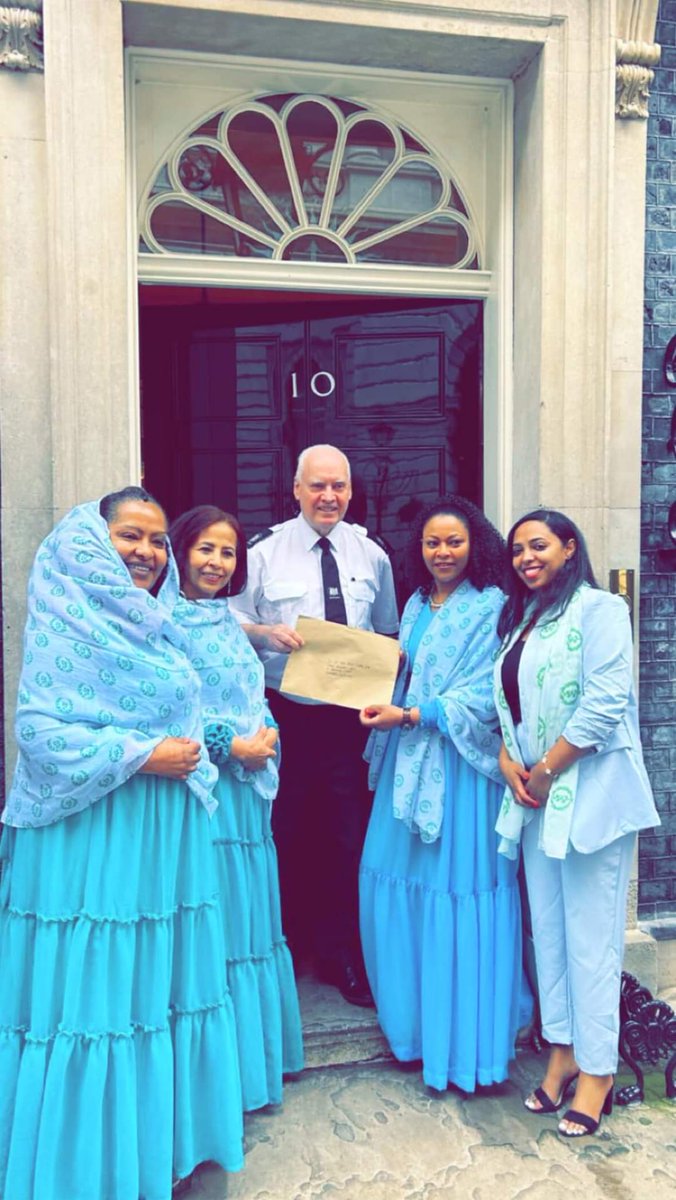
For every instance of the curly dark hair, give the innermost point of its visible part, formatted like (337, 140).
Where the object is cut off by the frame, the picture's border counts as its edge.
(186, 529)
(555, 597)
(486, 565)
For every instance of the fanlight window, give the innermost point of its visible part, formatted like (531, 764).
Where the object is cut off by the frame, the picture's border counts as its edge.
(307, 178)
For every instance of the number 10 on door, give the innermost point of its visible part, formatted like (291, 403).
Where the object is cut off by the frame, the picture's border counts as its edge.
(322, 383)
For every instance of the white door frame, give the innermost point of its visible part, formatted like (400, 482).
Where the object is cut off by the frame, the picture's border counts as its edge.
(493, 286)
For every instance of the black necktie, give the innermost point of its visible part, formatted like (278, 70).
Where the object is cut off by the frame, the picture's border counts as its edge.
(334, 604)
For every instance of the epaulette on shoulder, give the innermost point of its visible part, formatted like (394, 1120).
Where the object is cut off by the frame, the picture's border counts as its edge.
(259, 537)
(375, 537)
(372, 537)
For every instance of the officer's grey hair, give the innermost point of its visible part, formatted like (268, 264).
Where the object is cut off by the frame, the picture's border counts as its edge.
(300, 465)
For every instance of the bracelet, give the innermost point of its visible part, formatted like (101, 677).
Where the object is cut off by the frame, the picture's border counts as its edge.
(406, 722)
(548, 770)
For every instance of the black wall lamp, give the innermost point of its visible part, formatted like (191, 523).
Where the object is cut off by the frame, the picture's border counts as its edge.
(667, 557)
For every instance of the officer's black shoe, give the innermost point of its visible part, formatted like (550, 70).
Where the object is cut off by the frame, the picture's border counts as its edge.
(350, 981)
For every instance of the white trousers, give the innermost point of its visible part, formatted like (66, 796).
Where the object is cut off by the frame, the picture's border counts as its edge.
(578, 913)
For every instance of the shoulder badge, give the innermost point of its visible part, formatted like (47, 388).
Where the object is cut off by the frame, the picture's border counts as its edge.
(259, 537)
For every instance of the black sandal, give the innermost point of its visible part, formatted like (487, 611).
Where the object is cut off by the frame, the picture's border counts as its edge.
(547, 1105)
(580, 1118)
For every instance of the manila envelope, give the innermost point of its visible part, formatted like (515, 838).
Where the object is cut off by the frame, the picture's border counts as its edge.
(341, 665)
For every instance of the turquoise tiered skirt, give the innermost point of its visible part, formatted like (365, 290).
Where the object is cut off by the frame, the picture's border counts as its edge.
(259, 965)
(118, 1055)
(441, 932)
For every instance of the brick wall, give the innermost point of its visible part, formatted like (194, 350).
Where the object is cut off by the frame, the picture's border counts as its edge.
(657, 850)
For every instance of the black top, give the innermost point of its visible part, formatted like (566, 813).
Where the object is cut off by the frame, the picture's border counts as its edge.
(510, 678)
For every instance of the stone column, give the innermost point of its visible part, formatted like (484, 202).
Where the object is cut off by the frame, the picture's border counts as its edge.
(636, 55)
(69, 431)
(21, 36)
(93, 427)
(25, 437)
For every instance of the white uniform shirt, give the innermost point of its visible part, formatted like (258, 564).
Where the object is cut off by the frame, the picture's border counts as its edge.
(285, 582)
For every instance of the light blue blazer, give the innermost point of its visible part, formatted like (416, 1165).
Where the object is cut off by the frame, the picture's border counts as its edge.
(614, 796)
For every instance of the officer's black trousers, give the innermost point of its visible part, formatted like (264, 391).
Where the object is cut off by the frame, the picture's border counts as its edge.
(319, 822)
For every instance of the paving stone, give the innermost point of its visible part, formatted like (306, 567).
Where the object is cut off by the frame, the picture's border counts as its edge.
(377, 1133)
(336, 1032)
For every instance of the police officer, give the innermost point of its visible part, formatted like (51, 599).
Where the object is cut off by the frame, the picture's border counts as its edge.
(318, 565)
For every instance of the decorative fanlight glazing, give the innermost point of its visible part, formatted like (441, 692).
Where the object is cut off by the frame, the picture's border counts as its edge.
(307, 178)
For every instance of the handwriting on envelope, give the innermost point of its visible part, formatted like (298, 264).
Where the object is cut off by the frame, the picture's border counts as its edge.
(341, 665)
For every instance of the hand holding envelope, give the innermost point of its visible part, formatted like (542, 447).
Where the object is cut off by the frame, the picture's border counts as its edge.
(341, 665)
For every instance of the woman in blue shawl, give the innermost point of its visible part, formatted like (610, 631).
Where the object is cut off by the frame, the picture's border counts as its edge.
(440, 913)
(118, 1057)
(210, 550)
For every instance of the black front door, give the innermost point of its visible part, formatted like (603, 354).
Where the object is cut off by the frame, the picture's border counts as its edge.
(235, 385)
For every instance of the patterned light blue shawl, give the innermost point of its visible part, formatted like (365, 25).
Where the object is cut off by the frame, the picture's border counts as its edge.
(105, 677)
(232, 679)
(453, 666)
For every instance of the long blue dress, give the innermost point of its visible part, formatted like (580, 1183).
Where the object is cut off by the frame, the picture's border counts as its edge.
(117, 1045)
(441, 927)
(258, 961)
(259, 965)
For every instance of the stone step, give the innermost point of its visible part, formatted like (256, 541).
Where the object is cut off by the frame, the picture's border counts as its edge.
(336, 1033)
